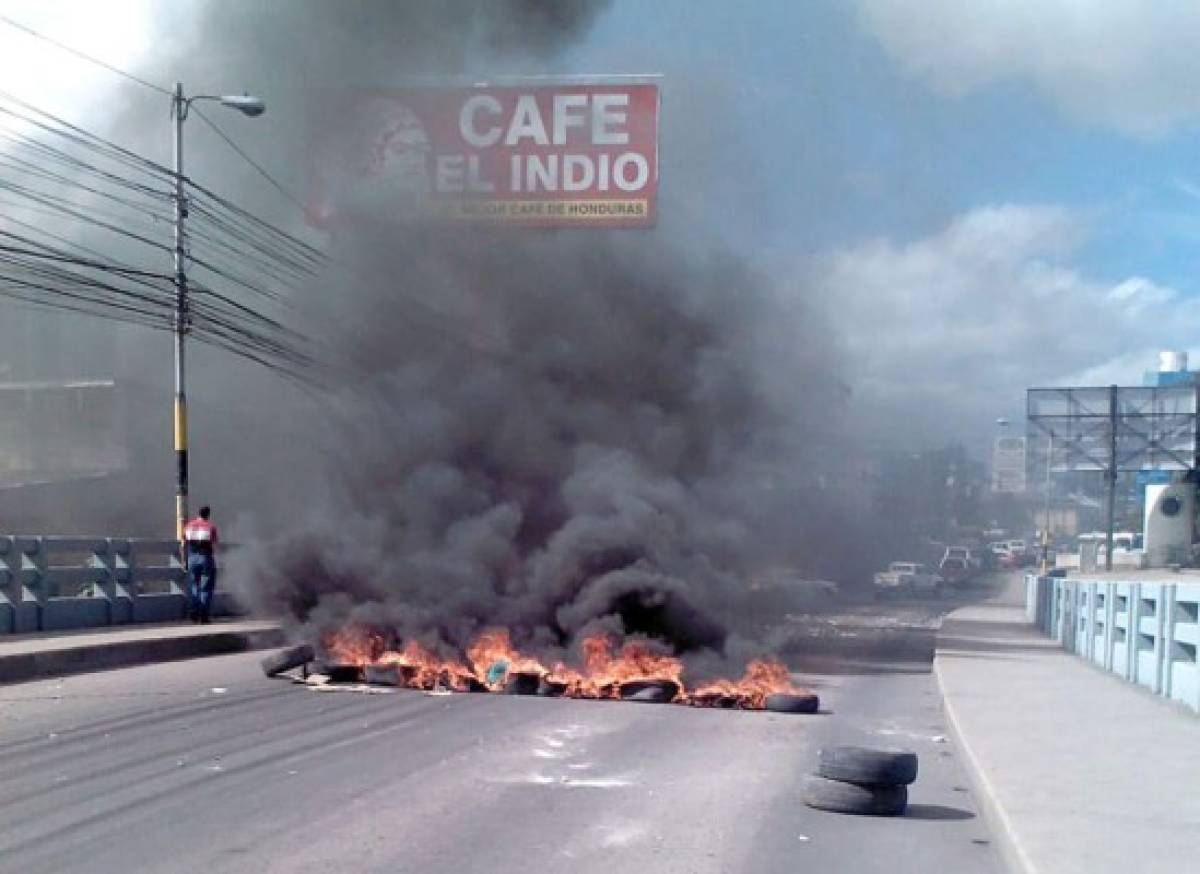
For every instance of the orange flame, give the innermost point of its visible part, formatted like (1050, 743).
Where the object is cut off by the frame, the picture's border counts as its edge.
(493, 646)
(762, 678)
(604, 671)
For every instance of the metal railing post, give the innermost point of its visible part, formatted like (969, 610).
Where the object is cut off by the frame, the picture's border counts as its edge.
(33, 578)
(10, 589)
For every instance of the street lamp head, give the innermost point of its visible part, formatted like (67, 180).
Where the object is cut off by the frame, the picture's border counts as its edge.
(244, 103)
(1001, 421)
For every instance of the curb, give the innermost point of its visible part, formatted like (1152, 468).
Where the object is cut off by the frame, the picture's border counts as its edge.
(1011, 852)
(21, 667)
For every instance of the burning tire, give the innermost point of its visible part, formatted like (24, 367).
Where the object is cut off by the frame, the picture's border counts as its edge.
(839, 797)
(285, 660)
(551, 688)
(382, 675)
(788, 703)
(649, 691)
(343, 673)
(522, 683)
(867, 767)
(715, 701)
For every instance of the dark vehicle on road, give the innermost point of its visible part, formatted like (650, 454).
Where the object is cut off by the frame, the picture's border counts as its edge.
(954, 571)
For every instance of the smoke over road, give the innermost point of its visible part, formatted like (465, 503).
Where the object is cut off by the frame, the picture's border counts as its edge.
(592, 466)
(592, 430)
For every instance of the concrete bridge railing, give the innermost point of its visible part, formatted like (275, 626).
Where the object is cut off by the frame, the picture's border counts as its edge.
(59, 583)
(1145, 632)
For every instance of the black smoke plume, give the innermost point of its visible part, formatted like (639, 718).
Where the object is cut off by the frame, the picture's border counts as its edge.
(554, 431)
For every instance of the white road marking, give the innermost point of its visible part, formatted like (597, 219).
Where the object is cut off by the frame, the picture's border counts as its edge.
(622, 834)
(596, 782)
(616, 782)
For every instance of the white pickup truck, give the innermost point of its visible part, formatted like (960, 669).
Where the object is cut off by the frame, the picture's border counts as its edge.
(907, 576)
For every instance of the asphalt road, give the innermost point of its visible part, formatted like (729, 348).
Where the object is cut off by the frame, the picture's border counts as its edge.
(206, 766)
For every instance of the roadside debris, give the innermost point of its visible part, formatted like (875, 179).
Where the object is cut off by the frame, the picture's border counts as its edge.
(361, 688)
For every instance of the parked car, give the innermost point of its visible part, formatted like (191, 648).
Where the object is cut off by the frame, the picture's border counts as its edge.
(954, 570)
(1020, 549)
(907, 576)
(968, 555)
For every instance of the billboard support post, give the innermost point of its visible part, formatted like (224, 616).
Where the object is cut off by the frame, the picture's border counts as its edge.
(1112, 477)
(1049, 492)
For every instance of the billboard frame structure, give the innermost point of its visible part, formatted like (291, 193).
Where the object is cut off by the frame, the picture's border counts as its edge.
(1115, 428)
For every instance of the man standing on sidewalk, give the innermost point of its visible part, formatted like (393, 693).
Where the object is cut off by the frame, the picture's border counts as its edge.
(200, 546)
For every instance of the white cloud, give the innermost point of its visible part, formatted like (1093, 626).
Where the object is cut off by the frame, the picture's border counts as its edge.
(946, 332)
(1127, 64)
(118, 32)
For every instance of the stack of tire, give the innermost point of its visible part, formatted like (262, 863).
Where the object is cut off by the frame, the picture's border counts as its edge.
(860, 780)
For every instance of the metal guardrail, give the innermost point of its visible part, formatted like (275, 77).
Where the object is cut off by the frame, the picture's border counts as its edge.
(1145, 632)
(60, 583)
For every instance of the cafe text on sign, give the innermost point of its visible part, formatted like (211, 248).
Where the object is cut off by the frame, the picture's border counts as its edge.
(544, 154)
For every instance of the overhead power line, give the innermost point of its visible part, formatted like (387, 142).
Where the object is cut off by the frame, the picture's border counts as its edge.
(229, 141)
(24, 28)
(80, 279)
(250, 241)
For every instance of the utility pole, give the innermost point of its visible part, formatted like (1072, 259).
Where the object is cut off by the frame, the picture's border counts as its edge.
(1046, 525)
(179, 109)
(247, 105)
(1111, 476)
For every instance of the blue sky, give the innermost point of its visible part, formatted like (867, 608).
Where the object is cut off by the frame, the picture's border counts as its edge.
(872, 150)
(932, 141)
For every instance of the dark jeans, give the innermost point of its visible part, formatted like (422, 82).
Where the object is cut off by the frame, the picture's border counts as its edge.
(202, 570)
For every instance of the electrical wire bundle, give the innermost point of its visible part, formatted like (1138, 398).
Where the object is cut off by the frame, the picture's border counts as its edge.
(85, 225)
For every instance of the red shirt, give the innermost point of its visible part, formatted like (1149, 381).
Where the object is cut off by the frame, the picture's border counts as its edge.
(200, 536)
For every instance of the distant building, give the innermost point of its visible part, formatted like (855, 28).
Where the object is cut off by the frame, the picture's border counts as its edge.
(1008, 465)
(1172, 370)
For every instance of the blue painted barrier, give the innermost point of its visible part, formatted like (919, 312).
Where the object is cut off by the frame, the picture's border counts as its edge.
(59, 583)
(1145, 632)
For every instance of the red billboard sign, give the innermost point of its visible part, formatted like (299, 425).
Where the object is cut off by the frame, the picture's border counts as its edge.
(567, 154)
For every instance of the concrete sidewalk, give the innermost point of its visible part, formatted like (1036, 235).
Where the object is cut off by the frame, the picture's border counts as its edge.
(1077, 770)
(28, 656)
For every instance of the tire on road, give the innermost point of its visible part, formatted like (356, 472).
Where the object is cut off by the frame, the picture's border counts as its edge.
(382, 675)
(522, 683)
(839, 797)
(782, 702)
(343, 673)
(868, 767)
(715, 701)
(284, 660)
(651, 691)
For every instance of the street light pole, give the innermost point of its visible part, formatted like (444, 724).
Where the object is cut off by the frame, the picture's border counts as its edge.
(179, 108)
(247, 105)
